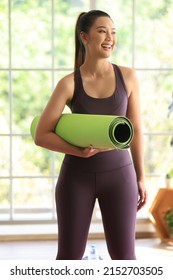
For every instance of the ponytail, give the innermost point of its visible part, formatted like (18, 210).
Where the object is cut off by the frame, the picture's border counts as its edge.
(79, 47)
(84, 23)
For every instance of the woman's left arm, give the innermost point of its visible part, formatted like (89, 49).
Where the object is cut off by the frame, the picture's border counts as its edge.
(136, 147)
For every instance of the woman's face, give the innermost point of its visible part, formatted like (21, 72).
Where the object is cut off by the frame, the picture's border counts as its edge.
(101, 39)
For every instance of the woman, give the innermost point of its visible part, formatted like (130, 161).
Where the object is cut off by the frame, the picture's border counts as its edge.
(96, 87)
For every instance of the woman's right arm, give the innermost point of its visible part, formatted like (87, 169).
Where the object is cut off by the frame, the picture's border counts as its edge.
(44, 135)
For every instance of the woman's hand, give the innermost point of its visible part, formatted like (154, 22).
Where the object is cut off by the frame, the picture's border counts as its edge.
(90, 151)
(142, 195)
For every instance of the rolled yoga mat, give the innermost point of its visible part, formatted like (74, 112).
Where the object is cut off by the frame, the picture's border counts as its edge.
(100, 131)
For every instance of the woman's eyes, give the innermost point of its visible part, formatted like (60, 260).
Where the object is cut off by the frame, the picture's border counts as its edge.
(104, 31)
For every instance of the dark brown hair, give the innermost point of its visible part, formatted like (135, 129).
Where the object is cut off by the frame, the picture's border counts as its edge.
(84, 23)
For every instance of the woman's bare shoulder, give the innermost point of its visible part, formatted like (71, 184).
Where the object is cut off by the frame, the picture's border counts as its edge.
(65, 87)
(127, 72)
(130, 78)
(67, 81)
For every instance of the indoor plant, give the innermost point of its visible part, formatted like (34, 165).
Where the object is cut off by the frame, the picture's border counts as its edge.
(168, 218)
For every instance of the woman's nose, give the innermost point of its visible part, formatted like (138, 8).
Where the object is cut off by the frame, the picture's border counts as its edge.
(109, 36)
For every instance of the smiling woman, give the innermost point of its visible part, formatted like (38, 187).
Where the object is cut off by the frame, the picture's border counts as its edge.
(101, 88)
(29, 72)
(97, 43)
(99, 33)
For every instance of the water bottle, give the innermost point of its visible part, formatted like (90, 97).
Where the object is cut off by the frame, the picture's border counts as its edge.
(93, 253)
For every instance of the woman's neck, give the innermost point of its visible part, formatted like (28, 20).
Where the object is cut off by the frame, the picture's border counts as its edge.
(96, 68)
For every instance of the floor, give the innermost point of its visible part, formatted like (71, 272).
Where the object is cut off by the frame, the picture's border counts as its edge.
(146, 249)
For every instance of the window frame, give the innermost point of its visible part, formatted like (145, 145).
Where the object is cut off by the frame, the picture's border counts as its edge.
(52, 70)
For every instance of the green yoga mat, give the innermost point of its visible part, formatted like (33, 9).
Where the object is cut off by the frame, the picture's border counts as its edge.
(100, 131)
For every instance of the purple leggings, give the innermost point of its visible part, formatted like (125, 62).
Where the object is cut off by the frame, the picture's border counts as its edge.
(117, 194)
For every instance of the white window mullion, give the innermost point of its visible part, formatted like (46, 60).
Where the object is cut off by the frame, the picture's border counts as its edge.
(92, 4)
(53, 81)
(133, 32)
(10, 110)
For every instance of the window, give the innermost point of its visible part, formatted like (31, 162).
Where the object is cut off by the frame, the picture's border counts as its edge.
(36, 51)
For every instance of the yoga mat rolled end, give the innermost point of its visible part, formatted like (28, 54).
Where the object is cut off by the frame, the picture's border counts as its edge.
(121, 132)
